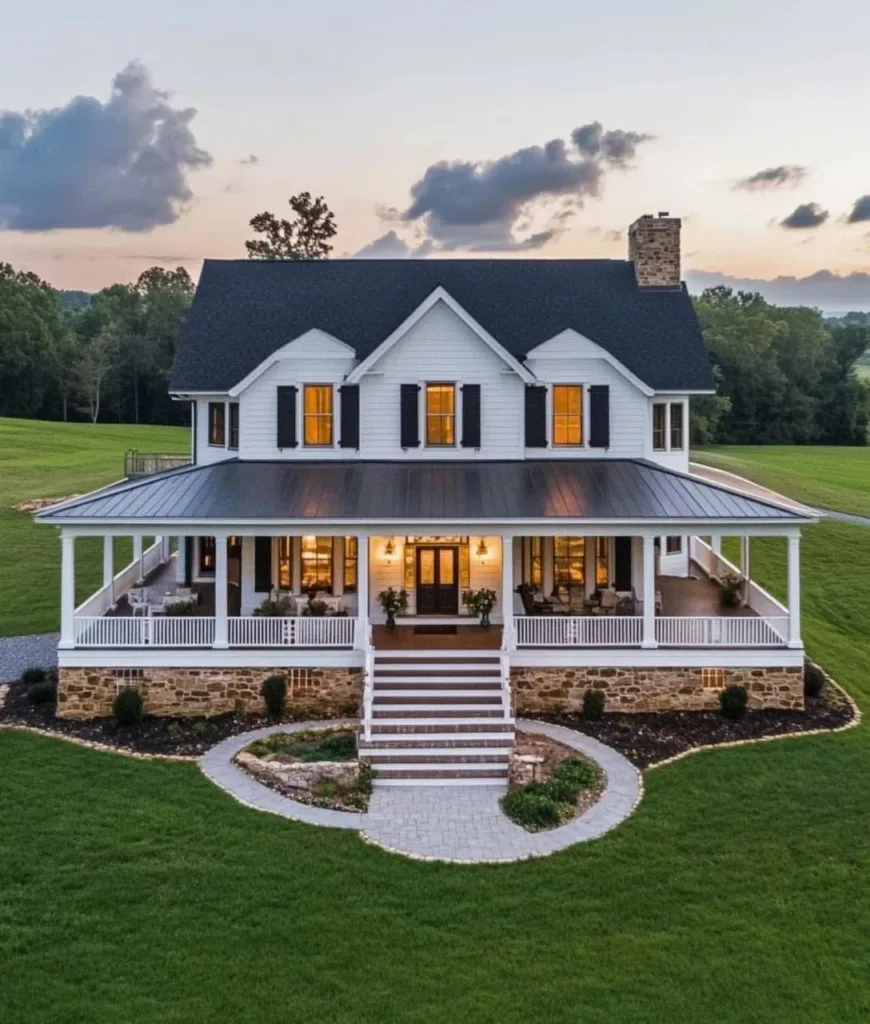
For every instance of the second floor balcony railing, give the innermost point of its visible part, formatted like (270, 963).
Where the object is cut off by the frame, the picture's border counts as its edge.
(138, 463)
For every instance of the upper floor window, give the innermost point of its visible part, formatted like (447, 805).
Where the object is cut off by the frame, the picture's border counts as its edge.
(440, 414)
(317, 415)
(351, 555)
(234, 425)
(316, 563)
(567, 414)
(668, 426)
(217, 423)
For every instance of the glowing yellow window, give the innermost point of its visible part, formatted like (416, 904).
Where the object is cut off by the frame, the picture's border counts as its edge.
(567, 414)
(602, 561)
(440, 414)
(318, 414)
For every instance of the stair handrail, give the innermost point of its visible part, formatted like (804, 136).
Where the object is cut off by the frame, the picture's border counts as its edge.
(504, 663)
(368, 686)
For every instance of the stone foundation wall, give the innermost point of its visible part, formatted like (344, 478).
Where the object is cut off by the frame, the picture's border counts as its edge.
(89, 692)
(651, 689)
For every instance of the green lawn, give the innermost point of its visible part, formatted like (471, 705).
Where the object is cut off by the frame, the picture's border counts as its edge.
(837, 478)
(138, 892)
(44, 460)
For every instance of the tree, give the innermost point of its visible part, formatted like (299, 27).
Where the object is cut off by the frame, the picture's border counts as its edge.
(96, 360)
(306, 237)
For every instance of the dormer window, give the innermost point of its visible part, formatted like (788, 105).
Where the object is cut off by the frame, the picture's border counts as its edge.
(567, 415)
(440, 414)
(317, 416)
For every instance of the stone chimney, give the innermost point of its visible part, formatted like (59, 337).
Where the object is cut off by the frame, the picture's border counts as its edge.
(654, 249)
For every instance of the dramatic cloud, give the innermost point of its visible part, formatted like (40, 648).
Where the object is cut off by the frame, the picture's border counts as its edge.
(120, 164)
(860, 211)
(833, 293)
(481, 207)
(807, 215)
(773, 177)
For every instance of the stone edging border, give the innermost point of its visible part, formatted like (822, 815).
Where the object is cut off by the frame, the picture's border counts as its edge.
(854, 723)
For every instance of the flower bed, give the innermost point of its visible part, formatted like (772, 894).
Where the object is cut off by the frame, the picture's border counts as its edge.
(318, 767)
(549, 783)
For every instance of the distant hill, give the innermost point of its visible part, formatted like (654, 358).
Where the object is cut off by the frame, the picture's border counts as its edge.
(849, 318)
(73, 299)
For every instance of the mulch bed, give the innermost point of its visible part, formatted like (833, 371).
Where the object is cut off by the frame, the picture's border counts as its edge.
(188, 737)
(553, 752)
(647, 738)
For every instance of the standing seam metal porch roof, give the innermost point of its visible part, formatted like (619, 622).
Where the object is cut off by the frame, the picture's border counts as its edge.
(600, 489)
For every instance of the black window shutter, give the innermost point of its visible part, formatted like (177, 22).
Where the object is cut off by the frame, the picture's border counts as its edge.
(470, 415)
(410, 416)
(194, 415)
(188, 560)
(622, 563)
(262, 564)
(349, 398)
(536, 416)
(599, 416)
(287, 416)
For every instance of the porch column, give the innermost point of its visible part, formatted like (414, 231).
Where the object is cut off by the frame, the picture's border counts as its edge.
(220, 592)
(181, 560)
(744, 556)
(67, 590)
(362, 592)
(508, 641)
(649, 593)
(137, 557)
(108, 559)
(794, 590)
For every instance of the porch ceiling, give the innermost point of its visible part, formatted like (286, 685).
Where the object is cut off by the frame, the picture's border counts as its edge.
(618, 490)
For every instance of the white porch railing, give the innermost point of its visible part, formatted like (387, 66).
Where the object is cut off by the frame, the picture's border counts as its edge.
(199, 631)
(294, 631)
(103, 599)
(579, 631)
(733, 631)
(368, 687)
(757, 598)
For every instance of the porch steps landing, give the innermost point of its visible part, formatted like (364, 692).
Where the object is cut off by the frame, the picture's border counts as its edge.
(438, 719)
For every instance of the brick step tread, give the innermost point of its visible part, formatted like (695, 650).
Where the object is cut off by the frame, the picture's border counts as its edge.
(436, 655)
(437, 740)
(438, 685)
(405, 771)
(413, 712)
(425, 679)
(436, 755)
(460, 695)
(453, 727)
(484, 707)
(386, 782)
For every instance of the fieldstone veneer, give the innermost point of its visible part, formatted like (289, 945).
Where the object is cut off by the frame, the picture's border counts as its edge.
(651, 689)
(89, 692)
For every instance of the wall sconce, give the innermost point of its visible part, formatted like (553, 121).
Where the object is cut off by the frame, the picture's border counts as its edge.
(389, 550)
(482, 551)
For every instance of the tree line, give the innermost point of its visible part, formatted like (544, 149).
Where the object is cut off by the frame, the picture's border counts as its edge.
(784, 375)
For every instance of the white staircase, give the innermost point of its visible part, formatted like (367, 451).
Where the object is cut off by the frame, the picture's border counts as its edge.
(437, 718)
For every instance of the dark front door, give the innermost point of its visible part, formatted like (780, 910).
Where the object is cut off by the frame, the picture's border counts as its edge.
(622, 560)
(437, 581)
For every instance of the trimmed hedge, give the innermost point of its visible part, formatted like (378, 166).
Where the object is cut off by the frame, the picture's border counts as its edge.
(543, 805)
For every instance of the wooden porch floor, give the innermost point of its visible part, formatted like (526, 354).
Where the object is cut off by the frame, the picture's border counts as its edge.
(466, 638)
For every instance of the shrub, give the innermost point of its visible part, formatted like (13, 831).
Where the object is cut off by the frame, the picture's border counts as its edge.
(274, 693)
(582, 774)
(814, 680)
(180, 608)
(42, 693)
(593, 705)
(531, 807)
(128, 707)
(732, 701)
(33, 675)
(731, 589)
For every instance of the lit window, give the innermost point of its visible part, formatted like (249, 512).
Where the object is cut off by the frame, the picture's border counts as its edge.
(206, 556)
(567, 414)
(216, 423)
(674, 545)
(713, 678)
(660, 429)
(569, 563)
(351, 554)
(317, 563)
(285, 563)
(440, 414)
(234, 425)
(318, 415)
(602, 561)
(536, 571)
(676, 425)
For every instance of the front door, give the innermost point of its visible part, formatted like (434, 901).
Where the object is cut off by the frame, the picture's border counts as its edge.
(437, 581)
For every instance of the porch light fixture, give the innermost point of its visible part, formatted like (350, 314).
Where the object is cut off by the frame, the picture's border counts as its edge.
(482, 551)
(389, 550)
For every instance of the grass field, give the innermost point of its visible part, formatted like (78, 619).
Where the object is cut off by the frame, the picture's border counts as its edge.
(138, 892)
(835, 478)
(45, 460)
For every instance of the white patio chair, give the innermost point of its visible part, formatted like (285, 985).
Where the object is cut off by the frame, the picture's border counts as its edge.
(138, 601)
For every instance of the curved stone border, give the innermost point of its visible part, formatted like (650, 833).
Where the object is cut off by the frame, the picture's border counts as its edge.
(217, 765)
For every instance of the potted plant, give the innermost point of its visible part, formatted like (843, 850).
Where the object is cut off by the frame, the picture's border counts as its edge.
(480, 602)
(730, 589)
(274, 607)
(315, 608)
(394, 602)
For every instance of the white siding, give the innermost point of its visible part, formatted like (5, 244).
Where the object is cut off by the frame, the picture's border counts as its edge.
(205, 452)
(441, 347)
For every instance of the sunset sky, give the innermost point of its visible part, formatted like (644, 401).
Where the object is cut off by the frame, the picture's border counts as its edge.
(358, 101)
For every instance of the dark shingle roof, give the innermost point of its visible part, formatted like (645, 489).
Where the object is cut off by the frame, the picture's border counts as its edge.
(244, 310)
(372, 492)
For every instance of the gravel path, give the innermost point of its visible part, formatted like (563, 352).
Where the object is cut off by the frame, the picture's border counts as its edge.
(20, 652)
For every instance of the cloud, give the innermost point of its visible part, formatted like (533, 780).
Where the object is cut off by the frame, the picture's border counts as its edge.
(834, 293)
(788, 175)
(251, 160)
(807, 215)
(388, 247)
(860, 211)
(120, 164)
(481, 206)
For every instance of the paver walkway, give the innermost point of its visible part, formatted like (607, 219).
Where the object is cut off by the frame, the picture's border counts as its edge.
(20, 652)
(452, 823)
